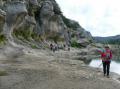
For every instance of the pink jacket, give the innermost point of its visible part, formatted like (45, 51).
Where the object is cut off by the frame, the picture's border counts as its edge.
(104, 54)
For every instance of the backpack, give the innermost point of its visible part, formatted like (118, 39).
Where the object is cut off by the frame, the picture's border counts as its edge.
(107, 54)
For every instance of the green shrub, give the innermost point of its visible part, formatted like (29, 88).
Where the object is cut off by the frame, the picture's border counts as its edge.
(27, 34)
(2, 39)
(75, 44)
(24, 33)
(3, 73)
(90, 40)
(34, 46)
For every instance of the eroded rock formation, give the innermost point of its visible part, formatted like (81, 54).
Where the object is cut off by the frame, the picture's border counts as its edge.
(39, 21)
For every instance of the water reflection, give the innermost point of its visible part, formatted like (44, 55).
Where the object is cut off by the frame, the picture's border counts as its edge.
(115, 65)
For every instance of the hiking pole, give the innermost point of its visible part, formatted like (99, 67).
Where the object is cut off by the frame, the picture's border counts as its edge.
(99, 65)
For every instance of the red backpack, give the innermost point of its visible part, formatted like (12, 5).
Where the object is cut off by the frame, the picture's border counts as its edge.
(107, 54)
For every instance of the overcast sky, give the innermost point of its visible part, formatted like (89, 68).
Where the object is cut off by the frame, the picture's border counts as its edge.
(100, 17)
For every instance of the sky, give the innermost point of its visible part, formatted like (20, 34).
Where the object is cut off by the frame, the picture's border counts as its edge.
(100, 17)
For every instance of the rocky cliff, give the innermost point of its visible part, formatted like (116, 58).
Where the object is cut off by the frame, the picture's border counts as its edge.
(38, 22)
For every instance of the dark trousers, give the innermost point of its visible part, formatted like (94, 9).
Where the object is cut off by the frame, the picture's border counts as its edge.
(106, 67)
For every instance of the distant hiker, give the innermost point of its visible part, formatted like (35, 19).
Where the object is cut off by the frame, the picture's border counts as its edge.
(68, 47)
(56, 47)
(64, 46)
(51, 47)
(106, 56)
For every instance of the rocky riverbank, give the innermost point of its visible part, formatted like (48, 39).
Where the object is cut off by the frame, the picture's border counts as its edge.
(43, 69)
(27, 24)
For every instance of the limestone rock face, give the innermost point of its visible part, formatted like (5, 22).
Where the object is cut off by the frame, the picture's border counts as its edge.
(2, 14)
(2, 19)
(39, 21)
(15, 13)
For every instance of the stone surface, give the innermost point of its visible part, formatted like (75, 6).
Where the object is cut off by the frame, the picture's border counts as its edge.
(41, 70)
(40, 20)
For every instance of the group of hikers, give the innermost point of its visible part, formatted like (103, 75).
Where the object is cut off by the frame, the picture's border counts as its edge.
(106, 56)
(56, 47)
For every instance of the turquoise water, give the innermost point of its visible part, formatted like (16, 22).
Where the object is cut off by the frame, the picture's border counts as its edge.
(114, 67)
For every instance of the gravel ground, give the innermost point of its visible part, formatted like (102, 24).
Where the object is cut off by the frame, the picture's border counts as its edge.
(44, 70)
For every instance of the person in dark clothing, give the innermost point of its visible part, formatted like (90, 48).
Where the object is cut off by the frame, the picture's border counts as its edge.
(106, 56)
(106, 68)
(51, 47)
(64, 46)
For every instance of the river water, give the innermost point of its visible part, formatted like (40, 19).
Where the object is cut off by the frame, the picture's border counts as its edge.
(114, 67)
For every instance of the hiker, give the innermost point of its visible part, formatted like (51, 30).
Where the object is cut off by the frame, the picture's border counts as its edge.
(51, 47)
(64, 46)
(68, 47)
(106, 56)
(56, 47)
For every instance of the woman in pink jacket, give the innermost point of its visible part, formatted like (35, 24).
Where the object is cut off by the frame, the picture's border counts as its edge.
(106, 56)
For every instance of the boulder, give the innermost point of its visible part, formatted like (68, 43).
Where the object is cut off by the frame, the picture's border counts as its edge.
(83, 42)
